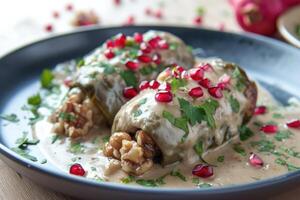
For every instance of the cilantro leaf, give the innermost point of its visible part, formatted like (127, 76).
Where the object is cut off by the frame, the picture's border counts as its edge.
(198, 147)
(281, 135)
(147, 183)
(178, 174)
(11, 118)
(179, 122)
(34, 100)
(129, 78)
(210, 106)
(221, 159)
(241, 80)
(245, 133)
(177, 83)
(108, 69)
(24, 153)
(46, 78)
(79, 63)
(192, 113)
(128, 179)
(239, 149)
(234, 104)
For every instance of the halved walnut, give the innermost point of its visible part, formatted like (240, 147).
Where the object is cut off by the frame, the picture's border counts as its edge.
(76, 116)
(136, 156)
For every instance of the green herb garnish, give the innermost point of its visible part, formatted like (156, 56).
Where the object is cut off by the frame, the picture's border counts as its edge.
(79, 63)
(69, 117)
(177, 83)
(241, 81)
(281, 135)
(239, 149)
(277, 116)
(34, 100)
(44, 161)
(298, 30)
(245, 133)
(264, 145)
(129, 78)
(198, 147)
(76, 148)
(108, 69)
(179, 122)
(200, 11)
(11, 118)
(105, 139)
(128, 179)
(24, 153)
(137, 113)
(234, 104)
(46, 78)
(221, 159)
(177, 173)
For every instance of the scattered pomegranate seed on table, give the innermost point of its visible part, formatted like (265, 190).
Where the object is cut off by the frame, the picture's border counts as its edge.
(154, 84)
(130, 20)
(196, 92)
(109, 54)
(55, 14)
(49, 28)
(77, 169)
(158, 14)
(198, 20)
(294, 124)
(144, 85)
(132, 65)
(129, 92)
(269, 129)
(164, 96)
(260, 110)
(215, 92)
(255, 160)
(69, 7)
(203, 171)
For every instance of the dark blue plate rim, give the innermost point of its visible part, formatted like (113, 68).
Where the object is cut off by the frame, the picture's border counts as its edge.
(5, 151)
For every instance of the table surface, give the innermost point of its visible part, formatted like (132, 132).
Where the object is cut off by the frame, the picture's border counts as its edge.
(21, 26)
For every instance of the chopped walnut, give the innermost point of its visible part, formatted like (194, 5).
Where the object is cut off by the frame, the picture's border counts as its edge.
(76, 117)
(136, 156)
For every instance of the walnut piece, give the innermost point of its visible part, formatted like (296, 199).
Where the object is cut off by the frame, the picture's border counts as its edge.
(136, 156)
(76, 117)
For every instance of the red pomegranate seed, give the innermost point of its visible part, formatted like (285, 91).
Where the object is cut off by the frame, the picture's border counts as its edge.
(207, 67)
(145, 48)
(148, 11)
(185, 75)
(196, 74)
(144, 85)
(77, 169)
(205, 83)
(129, 92)
(269, 129)
(215, 92)
(120, 41)
(69, 7)
(110, 44)
(154, 84)
(109, 54)
(158, 14)
(132, 65)
(49, 28)
(224, 81)
(130, 20)
(154, 42)
(165, 87)
(294, 124)
(138, 37)
(156, 59)
(162, 44)
(55, 14)
(144, 58)
(196, 92)
(164, 96)
(255, 160)
(203, 171)
(177, 71)
(198, 20)
(260, 110)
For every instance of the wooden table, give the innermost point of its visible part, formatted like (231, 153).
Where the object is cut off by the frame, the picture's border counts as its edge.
(20, 26)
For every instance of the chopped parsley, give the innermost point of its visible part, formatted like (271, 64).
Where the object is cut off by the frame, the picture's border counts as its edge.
(147, 70)
(147, 183)
(239, 149)
(34, 100)
(245, 133)
(76, 148)
(79, 63)
(281, 135)
(44, 161)
(277, 116)
(210, 106)
(234, 104)
(128, 179)
(200, 184)
(177, 173)
(264, 145)
(200, 11)
(46, 79)
(24, 153)
(221, 159)
(177, 83)
(65, 116)
(137, 113)
(142, 101)
(108, 69)
(241, 80)
(289, 166)
(179, 122)
(198, 147)
(54, 138)
(129, 78)
(11, 118)
(23, 141)
(105, 138)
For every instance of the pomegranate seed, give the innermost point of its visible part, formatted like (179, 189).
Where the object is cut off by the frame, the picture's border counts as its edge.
(196, 92)
(144, 85)
(196, 74)
(198, 20)
(165, 87)
(205, 83)
(156, 59)
(177, 71)
(203, 171)
(130, 20)
(164, 96)
(132, 65)
(117, 2)
(110, 44)
(69, 7)
(260, 110)
(138, 37)
(269, 129)
(55, 14)
(294, 124)
(154, 42)
(158, 14)
(255, 160)
(109, 54)
(206, 67)
(224, 81)
(144, 58)
(145, 48)
(154, 84)
(185, 75)
(162, 44)
(77, 169)
(49, 28)
(215, 92)
(129, 92)
(148, 11)
(120, 41)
